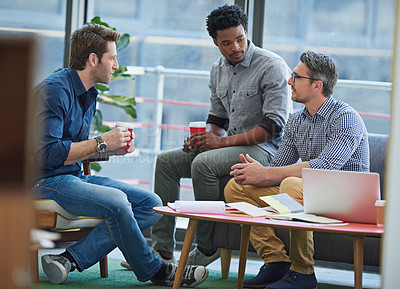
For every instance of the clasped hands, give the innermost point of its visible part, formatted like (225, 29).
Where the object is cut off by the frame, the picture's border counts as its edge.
(249, 172)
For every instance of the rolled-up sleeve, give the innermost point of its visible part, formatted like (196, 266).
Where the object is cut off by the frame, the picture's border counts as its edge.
(50, 150)
(277, 105)
(287, 153)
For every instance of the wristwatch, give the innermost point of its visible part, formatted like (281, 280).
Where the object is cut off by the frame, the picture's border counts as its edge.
(101, 145)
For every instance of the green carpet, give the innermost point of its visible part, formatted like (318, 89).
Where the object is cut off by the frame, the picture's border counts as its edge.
(121, 278)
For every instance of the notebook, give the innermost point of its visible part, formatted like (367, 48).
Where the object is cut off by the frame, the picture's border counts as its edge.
(343, 195)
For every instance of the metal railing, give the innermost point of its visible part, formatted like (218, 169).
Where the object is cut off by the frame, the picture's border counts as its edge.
(161, 72)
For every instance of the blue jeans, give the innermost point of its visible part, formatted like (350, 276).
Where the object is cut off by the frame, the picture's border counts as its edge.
(127, 211)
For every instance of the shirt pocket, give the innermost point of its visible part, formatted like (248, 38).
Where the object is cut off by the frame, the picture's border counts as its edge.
(250, 101)
(223, 96)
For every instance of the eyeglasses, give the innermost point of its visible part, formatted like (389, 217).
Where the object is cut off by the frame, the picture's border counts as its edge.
(294, 76)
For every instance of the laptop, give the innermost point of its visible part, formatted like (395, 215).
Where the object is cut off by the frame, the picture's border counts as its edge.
(344, 195)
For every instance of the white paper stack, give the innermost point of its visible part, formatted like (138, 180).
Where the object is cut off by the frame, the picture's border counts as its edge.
(205, 207)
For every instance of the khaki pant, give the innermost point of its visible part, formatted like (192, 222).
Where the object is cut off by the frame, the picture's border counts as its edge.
(268, 246)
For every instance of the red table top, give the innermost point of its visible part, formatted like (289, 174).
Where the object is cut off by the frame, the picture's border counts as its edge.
(345, 228)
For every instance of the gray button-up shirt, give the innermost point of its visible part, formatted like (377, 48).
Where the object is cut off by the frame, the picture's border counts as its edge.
(253, 93)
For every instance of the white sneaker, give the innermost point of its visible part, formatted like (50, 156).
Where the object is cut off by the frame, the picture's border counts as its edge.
(166, 261)
(196, 257)
(56, 268)
(192, 276)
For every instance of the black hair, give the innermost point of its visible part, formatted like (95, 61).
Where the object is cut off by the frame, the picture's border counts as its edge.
(225, 17)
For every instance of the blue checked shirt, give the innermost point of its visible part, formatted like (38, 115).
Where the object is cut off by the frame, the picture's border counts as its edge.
(334, 138)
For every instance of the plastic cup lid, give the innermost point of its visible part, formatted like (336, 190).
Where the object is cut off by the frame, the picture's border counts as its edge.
(124, 124)
(197, 124)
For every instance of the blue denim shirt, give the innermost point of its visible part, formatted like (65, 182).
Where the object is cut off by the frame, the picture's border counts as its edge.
(63, 115)
(253, 93)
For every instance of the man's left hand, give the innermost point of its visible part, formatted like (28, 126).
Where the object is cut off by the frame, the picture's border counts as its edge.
(249, 172)
(121, 152)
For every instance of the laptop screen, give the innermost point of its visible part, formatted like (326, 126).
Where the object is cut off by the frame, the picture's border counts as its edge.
(343, 195)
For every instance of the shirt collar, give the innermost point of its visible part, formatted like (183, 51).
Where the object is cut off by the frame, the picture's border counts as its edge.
(79, 88)
(85, 97)
(323, 111)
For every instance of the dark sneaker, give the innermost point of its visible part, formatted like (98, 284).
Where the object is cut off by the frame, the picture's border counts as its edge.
(196, 257)
(166, 261)
(268, 274)
(56, 268)
(192, 276)
(294, 280)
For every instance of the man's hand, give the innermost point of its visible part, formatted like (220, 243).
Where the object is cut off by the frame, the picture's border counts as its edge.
(206, 140)
(202, 140)
(117, 138)
(249, 172)
(121, 152)
(187, 147)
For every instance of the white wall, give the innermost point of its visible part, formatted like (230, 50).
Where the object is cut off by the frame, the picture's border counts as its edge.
(391, 243)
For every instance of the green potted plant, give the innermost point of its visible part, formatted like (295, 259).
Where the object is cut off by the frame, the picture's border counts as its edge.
(127, 103)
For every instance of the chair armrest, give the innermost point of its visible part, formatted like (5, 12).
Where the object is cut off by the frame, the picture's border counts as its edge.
(97, 158)
(94, 158)
(46, 219)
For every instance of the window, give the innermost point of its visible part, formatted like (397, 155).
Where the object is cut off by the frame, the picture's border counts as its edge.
(357, 34)
(46, 20)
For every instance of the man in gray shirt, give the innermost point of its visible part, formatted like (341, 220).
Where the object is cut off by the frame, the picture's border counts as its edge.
(250, 104)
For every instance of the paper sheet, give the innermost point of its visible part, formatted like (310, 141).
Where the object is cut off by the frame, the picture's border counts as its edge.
(249, 209)
(206, 207)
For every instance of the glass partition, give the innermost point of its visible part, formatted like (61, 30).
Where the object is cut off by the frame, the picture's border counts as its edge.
(46, 20)
(358, 34)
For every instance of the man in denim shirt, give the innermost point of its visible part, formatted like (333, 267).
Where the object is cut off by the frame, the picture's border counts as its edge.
(250, 104)
(66, 105)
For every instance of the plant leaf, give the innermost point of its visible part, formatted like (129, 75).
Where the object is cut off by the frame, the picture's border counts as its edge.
(119, 98)
(95, 166)
(97, 20)
(122, 76)
(123, 42)
(121, 69)
(102, 87)
(129, 109)
(104, 128)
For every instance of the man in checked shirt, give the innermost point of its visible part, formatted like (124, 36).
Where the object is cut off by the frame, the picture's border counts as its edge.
(325, 134)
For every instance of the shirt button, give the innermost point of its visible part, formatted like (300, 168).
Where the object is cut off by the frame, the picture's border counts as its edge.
(234, 129)
(234, 73)
(233, 110)
(234, 91)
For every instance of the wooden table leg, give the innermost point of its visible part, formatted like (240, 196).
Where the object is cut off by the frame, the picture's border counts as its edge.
(226, 256)
(244, 247)
(187, 244)
(358, 260)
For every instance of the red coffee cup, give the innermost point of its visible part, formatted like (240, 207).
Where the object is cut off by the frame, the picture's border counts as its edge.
(197, 126)
(129, 125)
